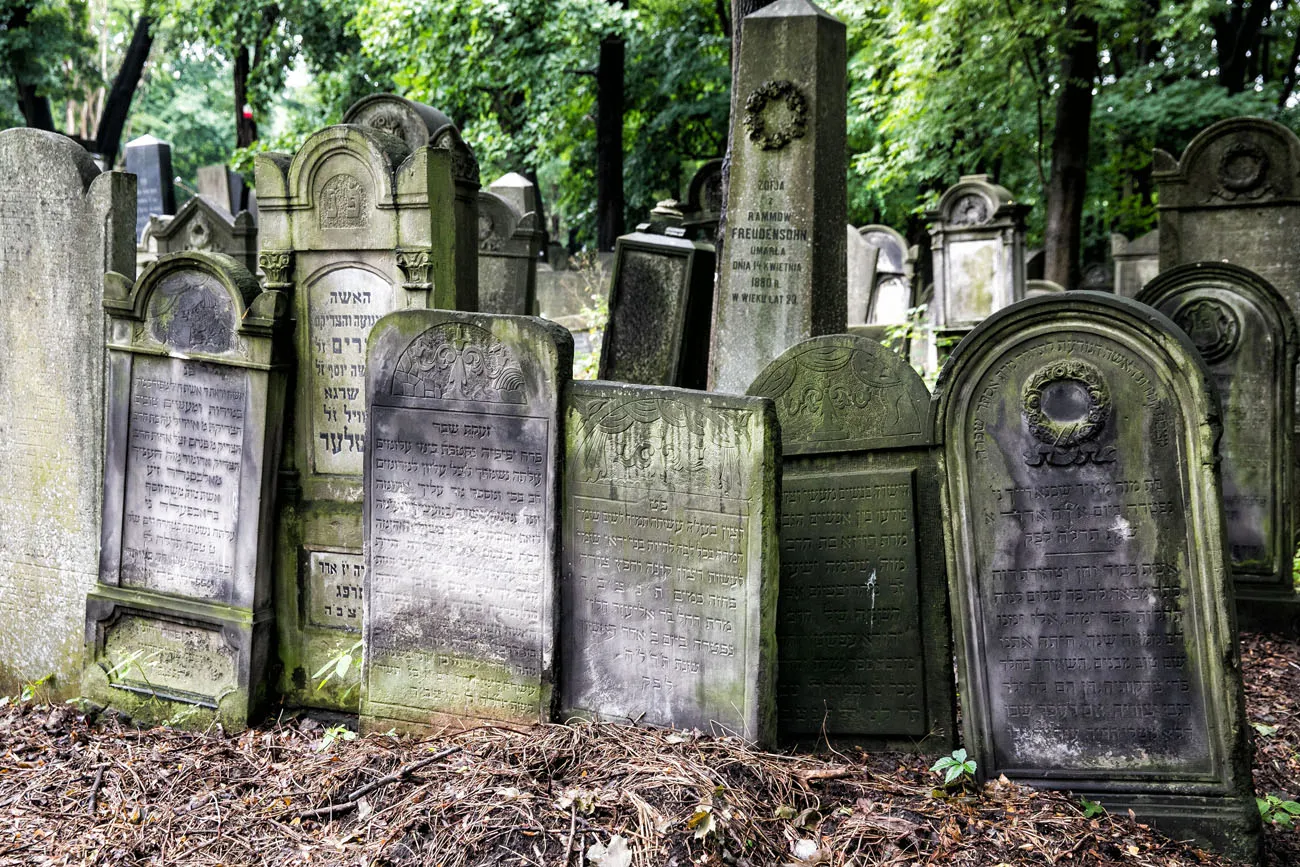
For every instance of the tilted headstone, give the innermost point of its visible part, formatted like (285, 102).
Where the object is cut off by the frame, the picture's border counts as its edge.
(1098, 277)
(1137, 262)
(150, 160)
(462, 478)
(861, 275)
(178, 628)
(670, 559)
(353, 227)
(978, 248)
(1035, 288)
(782, 277)
(863, 633)
(1246, 335)
(62, 224)
(891, 290)
(509, 240)
(203, 225)
(704, 201)
(660, 305)
(1091, 593)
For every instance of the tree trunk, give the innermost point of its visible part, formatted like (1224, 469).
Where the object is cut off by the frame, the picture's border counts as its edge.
(108, 138)
(609, 143)
(35, 107)
(245, 127)
(1237, 34)
(1069, 180)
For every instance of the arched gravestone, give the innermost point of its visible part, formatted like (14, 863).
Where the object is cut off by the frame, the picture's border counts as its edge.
(508, 243)
(461, 525)
(1091, 594)
(179, 625)
(862, 624)
(63, 223)
(861, 273)
(891, 290)
(354, 226)
(1247, 337)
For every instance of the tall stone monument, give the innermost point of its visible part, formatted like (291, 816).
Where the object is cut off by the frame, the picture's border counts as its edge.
(1091, 592)
(660, 302)
(62, 224)
(179, 626)
(670, 559)
(355, 226)
(464, 431)
(201, 224)
(509, 242)
(862, 627)
(150, 160)
(978, 249)
(1246, 335)
(1137, 262)
(782, 275)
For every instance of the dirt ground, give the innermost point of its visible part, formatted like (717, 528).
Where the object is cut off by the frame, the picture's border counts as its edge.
(75, 790)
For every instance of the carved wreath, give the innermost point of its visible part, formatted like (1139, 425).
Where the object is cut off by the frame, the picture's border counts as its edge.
(795, 126)
(1067, 432)
(1213, 327)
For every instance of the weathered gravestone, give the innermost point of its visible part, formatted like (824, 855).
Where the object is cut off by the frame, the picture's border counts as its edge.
(978, 249)
(862, 624)
(62, 224)
(224, 187)
(670, 558)
(201, 224)
(354, 227)
(861, 275)
(1098, 277)
(1136, 261)
(1091, 591)
(509, 240)
(660, 305)
(464, 433)
(782, 275)
(1246, 335)
(150, 160)
(179, 626)
(704, 201)
(891, 290)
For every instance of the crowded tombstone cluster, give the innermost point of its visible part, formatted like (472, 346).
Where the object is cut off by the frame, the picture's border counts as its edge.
(337, 428)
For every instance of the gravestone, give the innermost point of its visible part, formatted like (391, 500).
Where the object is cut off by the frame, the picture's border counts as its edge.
(891, 290)
(1246, 335)
(978, 249)
(670, 559)
(704, 202)
(178, 629)
(464, 433)
(354, 226)
(1091, 593)
(782, 277)
(861, 275)
(203, 225)
(1035, 288)
(862, 629)
(63, 223)
(1137, 262)
(150, 160)
(223, 187)
(1098, 277)
(660, 304)
(509, 240)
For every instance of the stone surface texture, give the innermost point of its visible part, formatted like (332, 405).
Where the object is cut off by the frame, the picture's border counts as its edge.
(861, 275)
(891, 289)
(150, 160)
(509, 241)
(1090, 585)
(204, 225)
(1136, 261)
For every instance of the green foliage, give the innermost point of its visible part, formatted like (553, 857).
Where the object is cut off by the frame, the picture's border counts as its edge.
(1275, 811)
(956, 769)
(1091, 809)
(332, 735)
(48, 45)
(338, 668)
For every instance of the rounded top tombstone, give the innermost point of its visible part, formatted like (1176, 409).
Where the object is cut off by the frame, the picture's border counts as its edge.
(1235, 162)
(892, 247)
(976, 200)
(414, 122)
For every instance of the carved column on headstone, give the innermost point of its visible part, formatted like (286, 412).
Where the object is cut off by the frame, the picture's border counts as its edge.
(277, 265)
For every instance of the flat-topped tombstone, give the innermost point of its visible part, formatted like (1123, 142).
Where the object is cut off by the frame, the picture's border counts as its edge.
(464, 432)
(203, 225)
(1091, 593)
(509, 240)
(978, 250)
(150, 160)
(670, 559)
(660, 304)
(861, 275)
(782, 275)
(179, 625)
(354, 226)
(62, 224)
(891, 290)
(1137, 262)
(862, 626)
(223, 187)
(1246, 335)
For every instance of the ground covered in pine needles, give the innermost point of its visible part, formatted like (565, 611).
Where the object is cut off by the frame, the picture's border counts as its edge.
(79, 791)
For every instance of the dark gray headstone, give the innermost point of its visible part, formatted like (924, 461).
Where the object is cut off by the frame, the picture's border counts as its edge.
(863, 632)
(353, 227)
(660, 305)
(1246, 335)
(62, 224)
(1090, 588)
(509, 240)
(782, 275)
(670, 558)
(704, 201)
(464, 433)
(1098, 277)
(150, 160)
(179, 627)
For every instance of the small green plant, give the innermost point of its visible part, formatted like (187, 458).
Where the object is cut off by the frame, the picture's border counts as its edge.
(1092, 809)
(1275, 811)
(338, 668)
(335, 733)
(956, 769)
(1265, 731)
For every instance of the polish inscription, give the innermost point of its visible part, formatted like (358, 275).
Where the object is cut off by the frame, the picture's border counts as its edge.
(769, 245)
(185, 445)
(335, 589)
